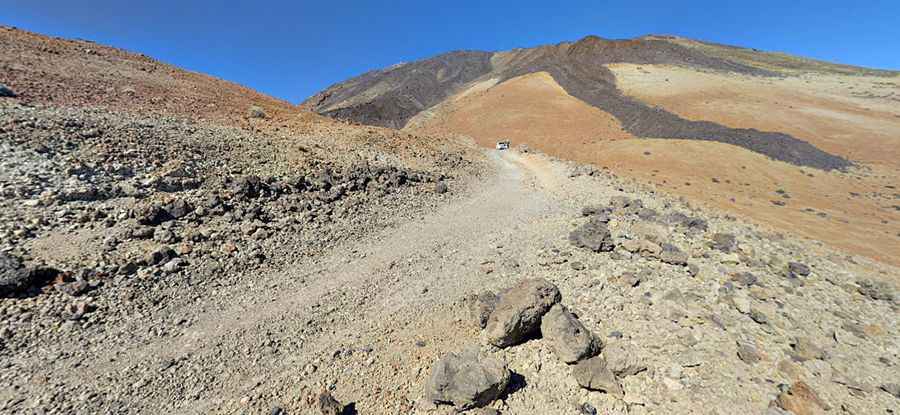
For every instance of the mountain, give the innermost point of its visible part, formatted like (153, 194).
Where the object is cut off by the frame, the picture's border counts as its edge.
(737, 128)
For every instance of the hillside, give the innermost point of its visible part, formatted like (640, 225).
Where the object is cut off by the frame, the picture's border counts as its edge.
(659, 108)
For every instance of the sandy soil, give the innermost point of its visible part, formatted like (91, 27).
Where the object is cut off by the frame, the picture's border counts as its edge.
(852, 116)
(531, 109)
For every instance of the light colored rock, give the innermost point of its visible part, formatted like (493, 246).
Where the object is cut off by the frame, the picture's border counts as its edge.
(800, 399)
(594, 374)
(568, 337)
(519, 311)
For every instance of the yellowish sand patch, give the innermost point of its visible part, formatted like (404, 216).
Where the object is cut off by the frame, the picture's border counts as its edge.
(853, 116)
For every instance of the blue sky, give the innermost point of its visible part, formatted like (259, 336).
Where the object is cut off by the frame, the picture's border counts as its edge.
(292, 49)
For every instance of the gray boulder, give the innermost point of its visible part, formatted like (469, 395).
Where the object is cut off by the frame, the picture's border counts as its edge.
(568, 337)
(519, 311)
(593, 235)
(595, 375)
(441, 187)
(467, 380)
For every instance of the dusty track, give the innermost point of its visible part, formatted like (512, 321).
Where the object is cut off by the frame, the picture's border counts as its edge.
(369, 318)
(368, 294)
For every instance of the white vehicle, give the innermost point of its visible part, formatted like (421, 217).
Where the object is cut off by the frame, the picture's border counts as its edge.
(503, 145)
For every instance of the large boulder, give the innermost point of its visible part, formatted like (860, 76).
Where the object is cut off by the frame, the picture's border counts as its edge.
(568, 337)
(593, 235)
(519, 311)
(594, 374)
(467, 380)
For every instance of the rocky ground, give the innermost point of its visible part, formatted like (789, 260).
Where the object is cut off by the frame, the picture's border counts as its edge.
(253, 293)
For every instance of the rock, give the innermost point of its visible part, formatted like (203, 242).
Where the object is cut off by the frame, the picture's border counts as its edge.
(568, 337)
(731, 259)
(73, 288)
(646, 214)
(178, 209)
(745, 279)
(593, 235)
(328, 405)
(748, 353)
(622, 361)
(587, 409)
(593, 374)
(741, 303)
(892, 388)
(6, 92)
(627, 279)
(577, 266)
(481, 306)
(163, 236)
(75, 311)
(247, 187)
(805, 349)
(758, 316)
(596, 210)
(797, 270)
(876, 290)
(17, 279)
(621, 202)
(724, 242)
(800, 399)
(151, 215)
(160, 255)
(672, 255)
(14, 277)
(441, 187)
(519, 311)
(467, 380)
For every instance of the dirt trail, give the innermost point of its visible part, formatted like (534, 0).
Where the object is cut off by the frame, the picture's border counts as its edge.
(376, 291)
(369, 319)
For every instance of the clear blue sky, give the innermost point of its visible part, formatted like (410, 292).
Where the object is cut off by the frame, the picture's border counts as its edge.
(291, 49)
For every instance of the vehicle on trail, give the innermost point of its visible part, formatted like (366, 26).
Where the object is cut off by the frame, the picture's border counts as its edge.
(503, 145)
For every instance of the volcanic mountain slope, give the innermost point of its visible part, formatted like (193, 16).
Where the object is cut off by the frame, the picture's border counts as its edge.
(805, 145)
(174, 243)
